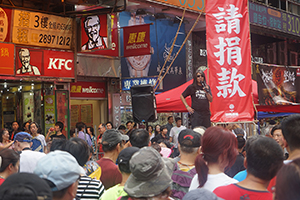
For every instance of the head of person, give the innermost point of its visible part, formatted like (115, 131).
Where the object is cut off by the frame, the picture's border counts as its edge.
(157, 129)
(113, 140)
(178, 121)
(154, 180)
(90, 131)
(101, 128)
(150, 128)
(22, 140)
(139, 138)
(72, 132)
(288, 181)
(79, 149)
(4, 135)
(24, 56)
(26, 126)
(59, 126)
(239, 132)
(122, 128)
(62, 172)
(219, 146)
(34, 127)
(124, 158)
(109, 125)
(277, 135)
(129, 125)
(80, 126)
(15, 126)
(92, 27)
(189, 142)
(291, 131)
(170, 119)
(241, 142)
(163, 130)
(25, 186)
(264, 157)
(9, 162)
(58, 144)
(199, 77)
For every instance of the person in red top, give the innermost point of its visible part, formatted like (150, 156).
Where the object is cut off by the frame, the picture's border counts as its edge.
(263, 160)
(9, 163)
(113, 142)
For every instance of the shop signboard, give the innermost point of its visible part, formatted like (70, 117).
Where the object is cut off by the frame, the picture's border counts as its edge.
(127, 83)
(88, 89)
(5, 22)
(136, 40)
(195, 5)
(229, 60)
(44, 30)
(7, 55)
(44, 63)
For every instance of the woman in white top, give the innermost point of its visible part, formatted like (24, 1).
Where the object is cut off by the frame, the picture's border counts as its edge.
(219, 150)
(34, 127)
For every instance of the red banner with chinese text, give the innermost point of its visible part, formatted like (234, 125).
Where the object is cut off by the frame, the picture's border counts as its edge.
(136, 40)
(7, 57)
(229, 60)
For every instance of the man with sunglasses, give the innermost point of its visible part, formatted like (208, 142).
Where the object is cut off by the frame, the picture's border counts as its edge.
(201, 96)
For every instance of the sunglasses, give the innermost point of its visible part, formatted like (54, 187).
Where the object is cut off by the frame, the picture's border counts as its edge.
(199, 76)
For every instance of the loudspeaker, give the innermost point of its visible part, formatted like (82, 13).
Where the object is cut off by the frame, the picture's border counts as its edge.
(143, 103)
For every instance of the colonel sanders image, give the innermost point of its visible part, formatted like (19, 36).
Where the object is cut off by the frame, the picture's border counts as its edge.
(92, 29)
(27, 68)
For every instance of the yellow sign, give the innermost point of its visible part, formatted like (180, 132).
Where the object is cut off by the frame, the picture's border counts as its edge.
(38, 29)
(195, 5)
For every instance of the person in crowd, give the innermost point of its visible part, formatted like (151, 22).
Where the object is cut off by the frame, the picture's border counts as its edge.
(88, 188)
(90, 131)
(58, 144)
(174, 136)
(25, 186)
(26, 126)
(288, 181)
(15, 129)
(200, 194)
(72, 132)
(239, 161)
(58, 127)
(139, 138)
(162, 137)
(123, 164)
(109, 125)
(184, 171)
(122, 128)
(112, 143)
(199, 129)
(276, 133)
(39, 142)
(157, 130)
(150, 176)
(81, 127)
(263, 160)
(150, 131)
(219, 150)
(169, 125)
(201, 96)
(28, 158)
(101, 129)
(62, 172)
(129, 127)
(9, 163)
(4, 139)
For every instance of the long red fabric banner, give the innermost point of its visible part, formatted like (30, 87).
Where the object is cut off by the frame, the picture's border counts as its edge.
(229, 60)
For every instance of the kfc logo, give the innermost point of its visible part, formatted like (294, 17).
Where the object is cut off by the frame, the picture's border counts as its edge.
(58, 63)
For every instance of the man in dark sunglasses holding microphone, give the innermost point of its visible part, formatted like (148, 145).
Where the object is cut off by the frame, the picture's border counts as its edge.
(201, 96)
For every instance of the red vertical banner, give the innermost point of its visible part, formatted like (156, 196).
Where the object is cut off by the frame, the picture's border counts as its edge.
(229, 60)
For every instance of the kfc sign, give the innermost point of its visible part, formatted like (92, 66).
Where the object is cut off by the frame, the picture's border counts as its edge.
(44, 63)
(88, 89)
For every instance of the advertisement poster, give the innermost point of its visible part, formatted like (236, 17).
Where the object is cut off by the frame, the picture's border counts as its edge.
(75, 115)
(49, 111)
(86, 114)
(5, 22)
(28, 106)
(7, 57)
(162, 33)
(62, 105)
(278, 85)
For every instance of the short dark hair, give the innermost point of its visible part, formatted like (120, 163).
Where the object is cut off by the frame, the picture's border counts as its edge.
(177, 118)
(163, 127)
(80, 126)
(122, 127)
(128, 122)
(276, 127)
(109, 147)
(79, 149)
(291, 131)
(110, 124)
(241, 141)
(170, 117)
(8, 156)
(36, 124)
(60, 124)
(139, 138)
(264, 158)
(58, 144)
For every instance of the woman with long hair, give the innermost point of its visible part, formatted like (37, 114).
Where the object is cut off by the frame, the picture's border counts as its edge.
(157, 130)
(4, 139)
(150, 131)
(9, 163)
(219, 151)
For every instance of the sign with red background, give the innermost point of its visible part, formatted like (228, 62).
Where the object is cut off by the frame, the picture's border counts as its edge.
(229, 60)
(88, 89)
(5, 22)
(136, 40)
(7, 57)
(57, 64)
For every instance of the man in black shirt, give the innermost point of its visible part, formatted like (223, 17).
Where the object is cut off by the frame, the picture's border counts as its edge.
(201, 96)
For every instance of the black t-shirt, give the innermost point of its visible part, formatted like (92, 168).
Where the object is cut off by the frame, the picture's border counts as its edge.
(200, 102)
(57, 136)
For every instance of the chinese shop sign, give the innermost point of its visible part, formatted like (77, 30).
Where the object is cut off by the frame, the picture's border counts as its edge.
(38, 29)
(195, 5)
(229, 60)
(88, 89)
(136, 40)
(5, 17)
(7, 57)
(127, 83)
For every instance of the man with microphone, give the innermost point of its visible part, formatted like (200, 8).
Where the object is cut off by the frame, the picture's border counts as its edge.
(201, 96)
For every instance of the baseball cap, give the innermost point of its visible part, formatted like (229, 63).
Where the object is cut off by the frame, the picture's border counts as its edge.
(113, 137)
(150, 173)
(23, 137)
(189, 138)
(59, 167)
(124, 158)
(24, 186)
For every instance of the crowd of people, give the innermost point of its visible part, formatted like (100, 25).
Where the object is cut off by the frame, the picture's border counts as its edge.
(161, 162)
